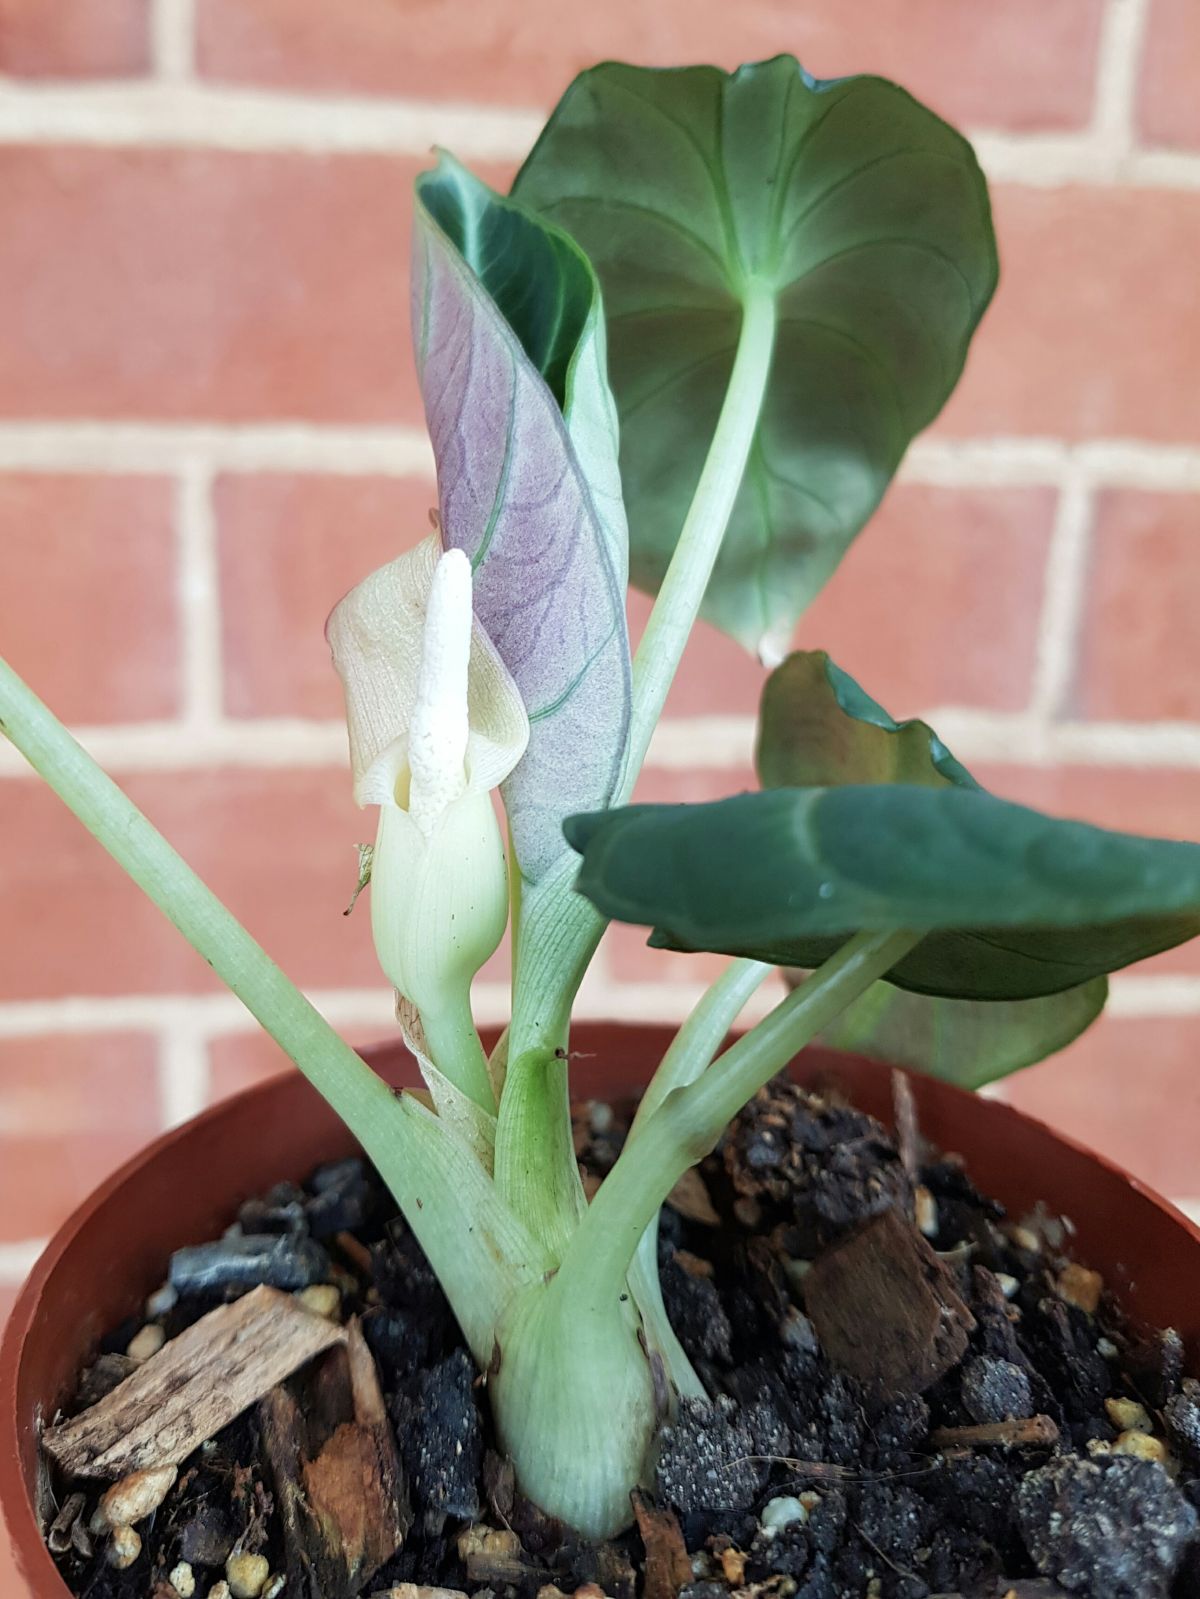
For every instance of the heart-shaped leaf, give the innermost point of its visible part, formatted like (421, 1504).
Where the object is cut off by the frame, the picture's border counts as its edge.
(864, 214)
(509, 332)
(1014, 904)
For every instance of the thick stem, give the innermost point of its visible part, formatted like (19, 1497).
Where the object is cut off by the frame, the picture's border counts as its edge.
(559, 933)
(690, 1121)
(573, 1397)
(683, 587)
(479, 1250)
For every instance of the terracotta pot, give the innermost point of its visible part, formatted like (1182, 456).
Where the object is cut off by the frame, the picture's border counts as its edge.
(187, 1185)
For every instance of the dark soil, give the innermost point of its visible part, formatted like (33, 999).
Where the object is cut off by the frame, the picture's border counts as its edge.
(797, 1479)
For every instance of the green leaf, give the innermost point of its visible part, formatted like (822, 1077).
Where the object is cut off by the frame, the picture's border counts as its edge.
(964, 1041)
(865, 214)
(882, 828)
(819, 728)
(1013, 903)
(509, 332)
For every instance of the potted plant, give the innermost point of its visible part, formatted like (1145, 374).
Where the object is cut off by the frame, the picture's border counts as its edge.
(691, 347)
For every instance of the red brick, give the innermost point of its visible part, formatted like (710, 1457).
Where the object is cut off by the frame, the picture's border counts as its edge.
(1095, 329)
(290, 547)
(72, 1109)
(277, 846)
(243, 1060)
(87, 594)
(1029, 63)
(1138, 647)
(74, 38)
(1129, 1090)
(168, 284)
(1168, 112)
(11, 1585)
(936, 603)
(938, 600)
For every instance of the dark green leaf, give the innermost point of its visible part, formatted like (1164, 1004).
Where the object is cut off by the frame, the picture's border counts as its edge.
(1014, 903)
(868, 218)
(818, 728)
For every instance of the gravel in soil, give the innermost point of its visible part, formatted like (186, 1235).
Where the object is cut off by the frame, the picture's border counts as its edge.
(794, 1479)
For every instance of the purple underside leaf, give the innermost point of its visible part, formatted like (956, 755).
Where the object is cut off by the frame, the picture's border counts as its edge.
(514, 498)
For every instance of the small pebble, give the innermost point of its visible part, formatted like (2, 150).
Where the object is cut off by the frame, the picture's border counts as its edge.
(134, 1498)
(183, 1580)
(277, 1259)
(1025, 1239)
(219, 1590)
(600, 1116)
(1008, 1285)
(1080, 1287)
(796, 1271)
(995, 1390)
(146, 1343)
(275, 1586)
(323, 1299)
(1127, 1415)
(247, 1575)
(123, 1549)
(925, 1210)
(161, 1301)
(784, 1511)
(1106, 1347)
(494, 1542)
(1141, 1446)
(810, 1499)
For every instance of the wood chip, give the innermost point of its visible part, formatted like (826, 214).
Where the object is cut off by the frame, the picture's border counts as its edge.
(668, 1565)
(908, 1138)
(1028, 1432)
(194, 1386)
(410, 1590)
(886, 1309)
(339, 1484)
(690, 1198)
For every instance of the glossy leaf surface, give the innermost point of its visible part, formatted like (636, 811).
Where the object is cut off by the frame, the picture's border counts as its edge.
(1014, 904)
(868, 219)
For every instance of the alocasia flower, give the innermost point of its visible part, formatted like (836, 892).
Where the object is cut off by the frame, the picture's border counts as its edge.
(435, 722)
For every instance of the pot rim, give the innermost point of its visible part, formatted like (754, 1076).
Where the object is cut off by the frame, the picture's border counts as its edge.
(391, 1059)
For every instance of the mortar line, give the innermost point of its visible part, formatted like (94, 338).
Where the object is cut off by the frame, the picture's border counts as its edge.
(1122, 34)
(17, 1260)
(120, 448)
(1062, 603)
(173, 39)
(199, 600)
(701, 743)
(184, 1073)
(176, 112)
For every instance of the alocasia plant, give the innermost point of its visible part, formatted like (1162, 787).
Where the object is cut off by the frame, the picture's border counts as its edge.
(692, 346)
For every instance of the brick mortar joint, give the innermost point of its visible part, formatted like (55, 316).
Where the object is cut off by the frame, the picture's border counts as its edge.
(176, 110)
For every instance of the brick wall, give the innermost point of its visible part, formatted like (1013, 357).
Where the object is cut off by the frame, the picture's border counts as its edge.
(209, 428)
